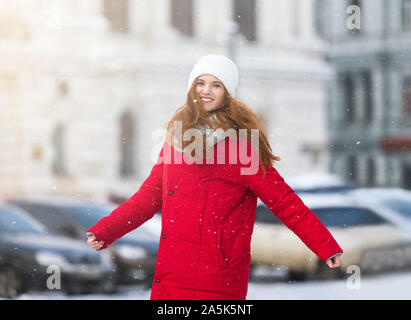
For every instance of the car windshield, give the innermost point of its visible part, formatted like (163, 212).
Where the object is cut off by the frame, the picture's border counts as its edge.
(347, 216)
(264, 215)
(329, 189)
(330, 216)
(401, 206)
(86, 215)
(13, 221)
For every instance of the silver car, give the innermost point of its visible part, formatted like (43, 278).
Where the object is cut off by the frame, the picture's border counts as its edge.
(369, 240)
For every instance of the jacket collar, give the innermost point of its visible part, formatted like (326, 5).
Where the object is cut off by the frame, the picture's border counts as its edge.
(213, 134)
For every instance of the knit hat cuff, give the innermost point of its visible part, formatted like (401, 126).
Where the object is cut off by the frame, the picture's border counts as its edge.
(220, 67)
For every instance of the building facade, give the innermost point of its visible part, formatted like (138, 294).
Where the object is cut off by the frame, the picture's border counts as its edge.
(86, 87)
(370, 102)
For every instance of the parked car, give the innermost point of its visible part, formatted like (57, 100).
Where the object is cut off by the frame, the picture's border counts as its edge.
(395, 201)
(368, 239)
(134, 254)
(27, 252)
(320, 183)
(152, 226)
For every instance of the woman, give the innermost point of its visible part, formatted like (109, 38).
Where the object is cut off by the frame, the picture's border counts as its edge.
(207, 193)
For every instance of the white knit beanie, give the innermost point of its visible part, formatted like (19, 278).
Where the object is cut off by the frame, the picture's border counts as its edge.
(220, 67)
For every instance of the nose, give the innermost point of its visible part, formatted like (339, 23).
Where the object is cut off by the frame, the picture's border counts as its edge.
(206, 89)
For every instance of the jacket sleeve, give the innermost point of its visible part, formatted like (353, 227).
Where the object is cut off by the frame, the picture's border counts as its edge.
(135, 211)
(281, 199)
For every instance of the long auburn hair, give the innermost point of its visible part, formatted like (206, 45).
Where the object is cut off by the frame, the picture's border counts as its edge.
(232, 114)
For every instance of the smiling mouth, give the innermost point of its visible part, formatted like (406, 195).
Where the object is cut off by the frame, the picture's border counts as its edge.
(206, 99)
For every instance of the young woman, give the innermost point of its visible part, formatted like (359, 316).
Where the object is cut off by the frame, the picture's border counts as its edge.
(206, 185)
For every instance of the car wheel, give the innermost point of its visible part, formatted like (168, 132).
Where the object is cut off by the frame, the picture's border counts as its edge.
(251, 273)
(109, 287)
(10, 283)
(296, 276)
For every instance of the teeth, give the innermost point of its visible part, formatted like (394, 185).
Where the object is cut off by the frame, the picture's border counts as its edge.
(205, 99)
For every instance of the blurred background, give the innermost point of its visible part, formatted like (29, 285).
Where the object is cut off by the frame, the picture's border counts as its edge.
(86, 87)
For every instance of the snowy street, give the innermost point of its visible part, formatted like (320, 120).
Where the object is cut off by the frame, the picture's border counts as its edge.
(192, 149)
(385, 286)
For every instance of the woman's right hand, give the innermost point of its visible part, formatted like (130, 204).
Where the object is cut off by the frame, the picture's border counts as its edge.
(94, 243)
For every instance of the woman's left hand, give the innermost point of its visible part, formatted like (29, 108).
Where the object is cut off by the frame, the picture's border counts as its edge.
(334, 262)
(94, 243)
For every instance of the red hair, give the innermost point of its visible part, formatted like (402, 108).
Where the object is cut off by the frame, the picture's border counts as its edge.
(232, 114)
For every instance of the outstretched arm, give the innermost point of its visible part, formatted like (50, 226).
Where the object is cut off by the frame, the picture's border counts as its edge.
(132, 213)
(281, 199)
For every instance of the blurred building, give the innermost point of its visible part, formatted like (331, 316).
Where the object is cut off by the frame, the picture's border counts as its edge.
(370, 102)
(86, 87)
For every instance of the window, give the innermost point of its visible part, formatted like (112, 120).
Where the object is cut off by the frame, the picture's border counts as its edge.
(127, 167)
(352, 168)
(58, 163)
(182, 16)
(368, 95)
(340, 217)
(406, 15)
(54, 219)
(403, 207)
(406, 175)
(15, 221)
(406, 105)
(371, 172)
(343, 217)
(348, 97)
(116, 11)
(63, 88)
(244, 13)
(319, 17)
(86, 215)
(264, 215)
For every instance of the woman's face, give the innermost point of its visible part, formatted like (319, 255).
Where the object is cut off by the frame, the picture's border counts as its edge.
(211, 92)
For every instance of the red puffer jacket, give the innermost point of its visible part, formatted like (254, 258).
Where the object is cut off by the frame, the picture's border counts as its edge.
(208, 213)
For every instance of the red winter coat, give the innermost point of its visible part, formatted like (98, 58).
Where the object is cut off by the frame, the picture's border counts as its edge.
(208, 213)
